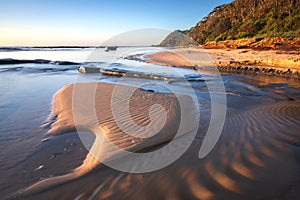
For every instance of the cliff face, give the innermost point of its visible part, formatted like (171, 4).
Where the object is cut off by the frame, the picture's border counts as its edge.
(247, 19)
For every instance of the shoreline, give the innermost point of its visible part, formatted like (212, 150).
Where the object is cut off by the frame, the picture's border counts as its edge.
(279, 63)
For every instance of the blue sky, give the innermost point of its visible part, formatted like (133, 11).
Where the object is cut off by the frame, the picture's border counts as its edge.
(67, 22)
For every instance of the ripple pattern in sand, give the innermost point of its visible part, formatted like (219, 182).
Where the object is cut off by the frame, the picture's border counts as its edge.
(257, 157)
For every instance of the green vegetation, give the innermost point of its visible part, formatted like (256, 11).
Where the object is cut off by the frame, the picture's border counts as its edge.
(248, 19)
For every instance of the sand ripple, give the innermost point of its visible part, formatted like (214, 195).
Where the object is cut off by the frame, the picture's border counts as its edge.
(257, 157)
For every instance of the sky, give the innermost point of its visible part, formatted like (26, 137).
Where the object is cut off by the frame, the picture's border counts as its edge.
(81, 22)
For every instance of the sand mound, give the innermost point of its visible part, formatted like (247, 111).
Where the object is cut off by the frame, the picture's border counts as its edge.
(130, 118)
(124, 119)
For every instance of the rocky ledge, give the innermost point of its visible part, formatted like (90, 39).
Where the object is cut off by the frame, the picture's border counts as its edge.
(287, 44)
(267, 67)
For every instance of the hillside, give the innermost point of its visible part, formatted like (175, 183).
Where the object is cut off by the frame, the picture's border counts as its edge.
(248, 19)
(177, 38)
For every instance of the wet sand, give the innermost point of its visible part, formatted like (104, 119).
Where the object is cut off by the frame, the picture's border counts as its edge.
(257, 156)
(169, 58)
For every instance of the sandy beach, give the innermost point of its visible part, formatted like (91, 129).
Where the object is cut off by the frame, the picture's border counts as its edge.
(271, 62)
(90, 123)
